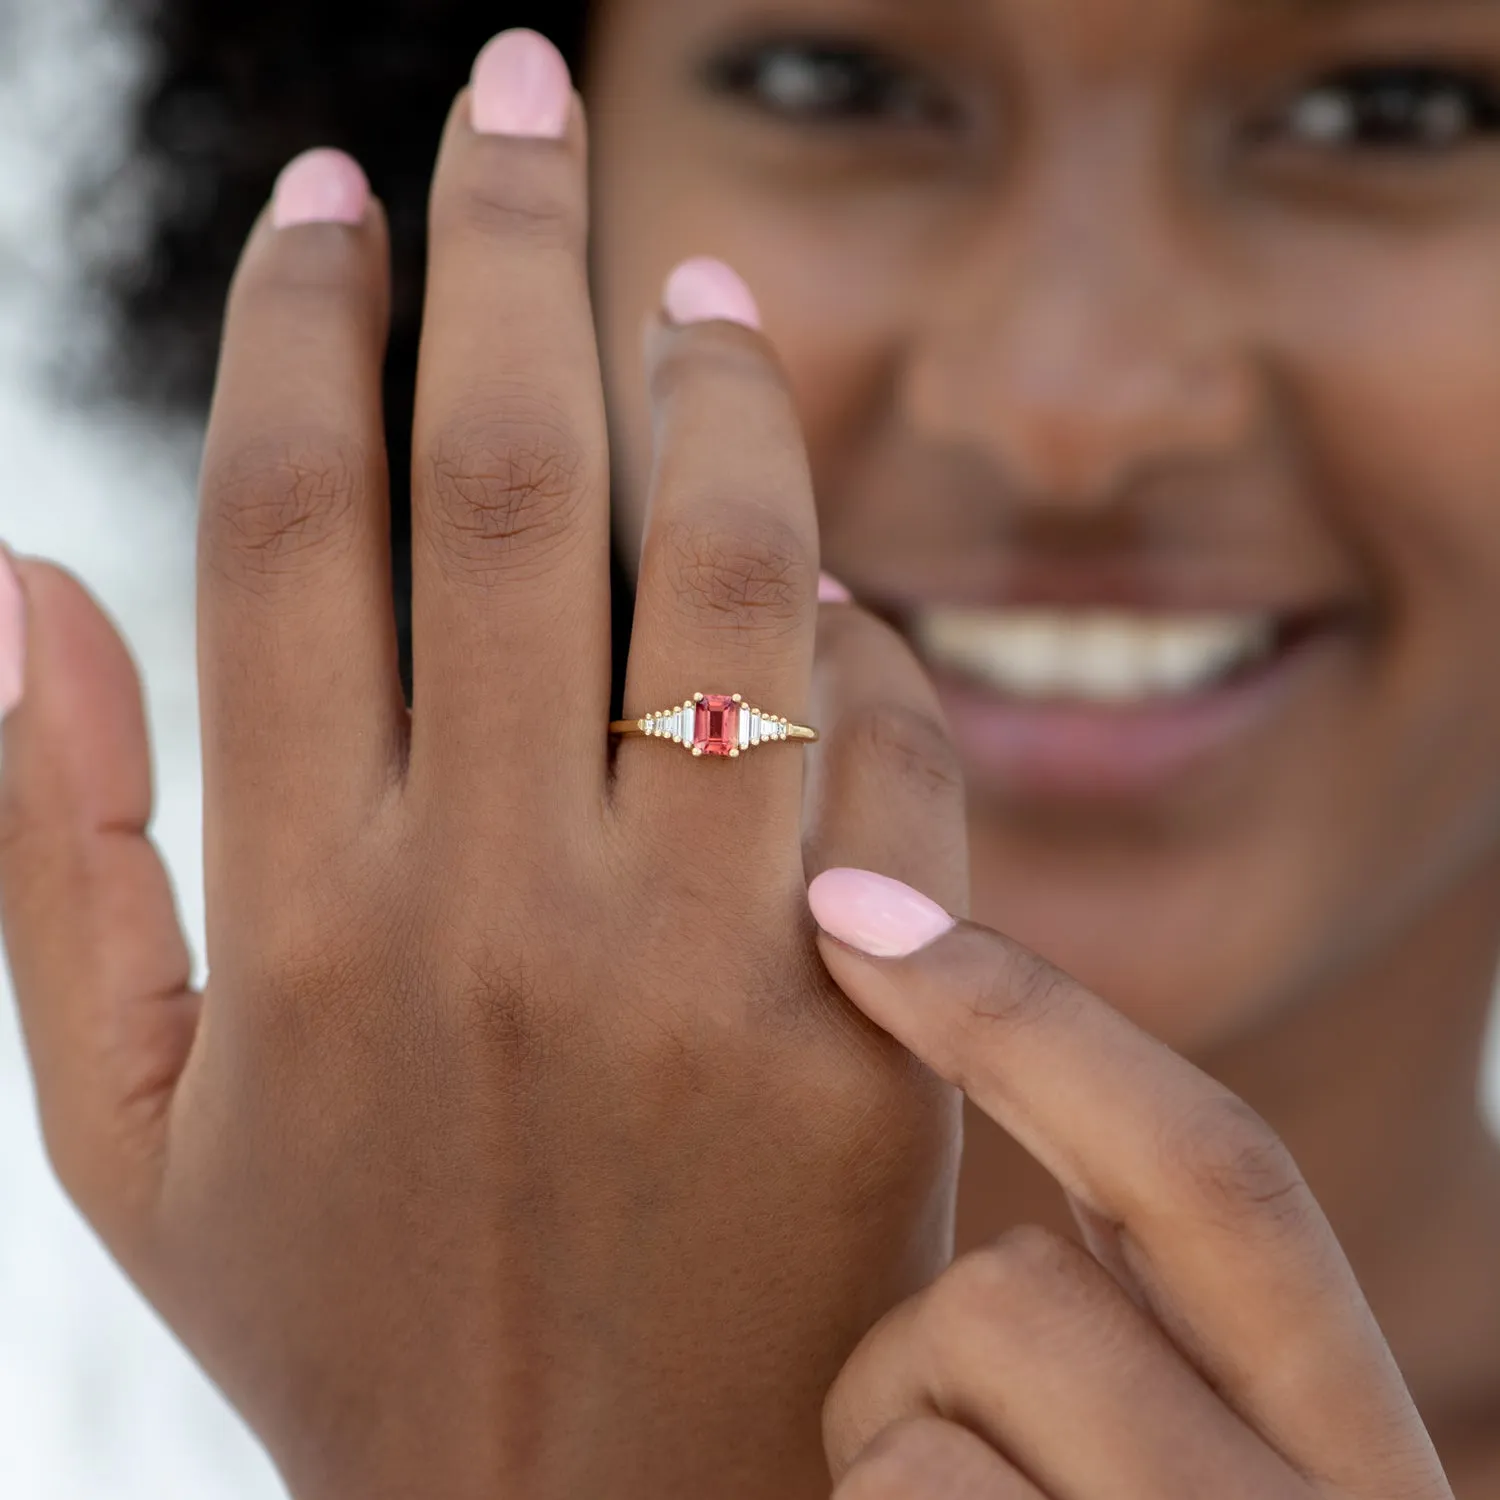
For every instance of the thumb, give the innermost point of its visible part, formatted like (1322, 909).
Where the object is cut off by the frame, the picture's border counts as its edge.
(98, 959)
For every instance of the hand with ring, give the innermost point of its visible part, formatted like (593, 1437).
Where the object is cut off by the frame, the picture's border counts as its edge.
(519, 1141)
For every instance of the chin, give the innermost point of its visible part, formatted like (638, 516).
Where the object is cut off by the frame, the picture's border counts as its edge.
(1198, 947)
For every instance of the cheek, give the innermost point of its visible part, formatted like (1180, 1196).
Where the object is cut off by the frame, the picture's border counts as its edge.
(833, 309)
(1384, 405)
(1395, 393)
(839, 318)
(1400, 384)
(1397, 380)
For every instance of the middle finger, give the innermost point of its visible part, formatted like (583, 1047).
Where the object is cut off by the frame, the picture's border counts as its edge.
(510, 549)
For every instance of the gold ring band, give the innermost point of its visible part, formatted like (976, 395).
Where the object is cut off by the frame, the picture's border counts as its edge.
(715, 724)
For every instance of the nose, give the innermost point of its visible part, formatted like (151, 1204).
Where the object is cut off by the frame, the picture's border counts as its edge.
(1082, 355)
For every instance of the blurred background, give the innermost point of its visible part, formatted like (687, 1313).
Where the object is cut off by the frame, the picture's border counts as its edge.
(97, 1401)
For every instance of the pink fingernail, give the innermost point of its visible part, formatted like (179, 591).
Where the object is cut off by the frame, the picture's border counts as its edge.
(12, 635)
(877, 915)
(521, 87)
(703, 289)
(831, 591)
(320, 187)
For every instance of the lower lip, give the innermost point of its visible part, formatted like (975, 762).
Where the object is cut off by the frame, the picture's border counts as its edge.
(1071, 751)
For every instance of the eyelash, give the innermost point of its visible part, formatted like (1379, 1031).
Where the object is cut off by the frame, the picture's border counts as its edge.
(1395, 107)
(831, 83)
(1384, 107)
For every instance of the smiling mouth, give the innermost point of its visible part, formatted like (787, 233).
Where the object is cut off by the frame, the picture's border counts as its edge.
(1096, 656)
(1086, 702)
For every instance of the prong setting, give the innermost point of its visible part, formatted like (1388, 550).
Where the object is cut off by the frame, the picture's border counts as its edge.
(718, 726)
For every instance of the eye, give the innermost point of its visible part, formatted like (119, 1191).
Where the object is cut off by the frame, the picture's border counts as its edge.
(1424, 107)
(829, 82)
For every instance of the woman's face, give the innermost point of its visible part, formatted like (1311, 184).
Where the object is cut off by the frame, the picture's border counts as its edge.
(1149, 358)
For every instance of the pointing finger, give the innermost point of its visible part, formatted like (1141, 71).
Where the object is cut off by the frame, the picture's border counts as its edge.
(1223, 1234)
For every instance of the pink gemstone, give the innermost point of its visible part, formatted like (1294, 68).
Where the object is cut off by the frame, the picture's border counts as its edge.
(716, 725)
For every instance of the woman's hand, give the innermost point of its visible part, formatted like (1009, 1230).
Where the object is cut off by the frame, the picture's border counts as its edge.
(519, 1142)
(1214, 1344)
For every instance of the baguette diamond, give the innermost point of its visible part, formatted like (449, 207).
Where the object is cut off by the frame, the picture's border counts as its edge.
(720, 725)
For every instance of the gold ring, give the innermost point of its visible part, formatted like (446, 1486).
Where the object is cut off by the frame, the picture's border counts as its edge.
(714, 724)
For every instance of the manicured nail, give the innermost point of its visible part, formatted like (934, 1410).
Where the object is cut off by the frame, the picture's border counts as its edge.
(702, 289)
(877, 915)
(521, 87)
(12, 635)
(831, 591)
(320, 187)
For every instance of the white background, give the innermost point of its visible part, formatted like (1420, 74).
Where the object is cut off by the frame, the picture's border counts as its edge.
(97, 1402)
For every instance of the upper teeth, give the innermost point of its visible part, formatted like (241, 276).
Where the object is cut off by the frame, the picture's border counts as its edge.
(1094, 654)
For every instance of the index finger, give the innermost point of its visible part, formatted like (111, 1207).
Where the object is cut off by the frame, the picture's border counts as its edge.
(1217, 1224)
(303, 720)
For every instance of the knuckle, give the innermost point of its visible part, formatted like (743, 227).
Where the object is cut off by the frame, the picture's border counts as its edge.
(1022, 991)
(500, 1006)
(501, 193)
(310, 947)
(1231, 1166)
(497, 1015)
(748, 572)
(917, 1451)
(877, 1476)
(505, 493)
(1032, 987)
(275, 504)
(318, 277)
(713, 352)
(853, 634)
(1008, 1281)
(1032, 1253)
(912, 744)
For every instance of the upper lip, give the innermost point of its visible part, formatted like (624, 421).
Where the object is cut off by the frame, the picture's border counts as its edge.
(1124, 586)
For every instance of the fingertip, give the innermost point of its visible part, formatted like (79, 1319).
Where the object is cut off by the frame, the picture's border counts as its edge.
(874, 914)
(521, 87)
(831, 591)
(703, 289)
(321, 186)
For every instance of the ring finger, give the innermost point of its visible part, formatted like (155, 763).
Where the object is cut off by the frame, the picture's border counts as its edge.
(726, 600)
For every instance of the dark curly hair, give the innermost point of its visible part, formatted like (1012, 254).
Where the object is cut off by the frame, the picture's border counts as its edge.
(236, 88)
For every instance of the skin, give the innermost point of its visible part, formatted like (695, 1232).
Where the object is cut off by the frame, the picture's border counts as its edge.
(1313, 920)
(1211, 1338)
(571, 1192)
(397, 1176)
